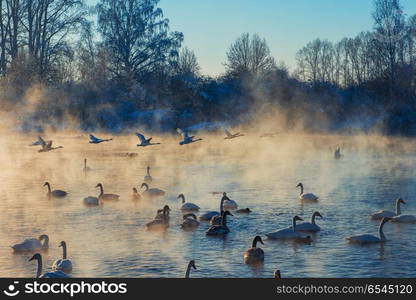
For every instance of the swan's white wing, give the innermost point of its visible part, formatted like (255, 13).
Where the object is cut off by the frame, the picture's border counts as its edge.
(228, 133)
(184, 133)
(141, 137)
(41, 141)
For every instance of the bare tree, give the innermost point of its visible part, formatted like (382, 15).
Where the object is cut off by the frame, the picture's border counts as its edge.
(249, 55)
(187, 63)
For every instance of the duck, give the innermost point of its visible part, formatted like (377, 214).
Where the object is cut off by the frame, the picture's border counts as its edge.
(153, 192)
(388, 213)
(187, 206)
(161, 221)
(136, 196)
(243, 211)
(186, 139)
(95, 140)
(288, 233)
(368, 238)
(106, 197)
(32, 245)
(54, 193)
(53, 274)
(148, 178)
(228, 203)
(404, 219)
(189, 221)
(254, 254)
(143, 141)
(306, 197)
(220, 229)
(310, 227)
(63, 264)
(191, 264)
(229, 135)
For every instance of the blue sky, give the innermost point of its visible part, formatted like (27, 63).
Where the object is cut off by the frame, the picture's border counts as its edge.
(210, 26)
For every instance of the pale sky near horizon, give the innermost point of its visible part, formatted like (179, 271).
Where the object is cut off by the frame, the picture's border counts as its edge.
(211, 26)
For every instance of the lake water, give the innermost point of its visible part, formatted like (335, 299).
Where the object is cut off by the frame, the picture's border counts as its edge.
(259, 173)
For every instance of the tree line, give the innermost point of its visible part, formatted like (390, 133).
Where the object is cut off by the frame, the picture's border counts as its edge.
(118, 65)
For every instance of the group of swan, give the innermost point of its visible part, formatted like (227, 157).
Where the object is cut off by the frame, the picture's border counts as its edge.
(61, 267)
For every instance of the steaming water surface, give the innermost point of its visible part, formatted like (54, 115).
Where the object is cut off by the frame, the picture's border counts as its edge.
(261, 174)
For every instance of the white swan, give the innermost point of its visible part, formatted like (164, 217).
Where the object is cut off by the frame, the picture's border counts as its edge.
(143, 141)
(54, 193)
(161, 221)
(220, 229)
(153, 192)
(63, 264)
(95, 140)
(189, 222)
(310, 227)
(191, 264)
(254, 254)
(32, 245)
(186, 139)
(404, 219)
(388, 213)
(368, 238)
(230, 136)
(288, 233)
(306, 197)
(106, 197)
(228, 203)
(148, 178)
(54, 274)
(187, 206)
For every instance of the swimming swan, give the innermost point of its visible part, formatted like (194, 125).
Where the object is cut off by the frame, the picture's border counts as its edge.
(310, 227)
(188, 269)
(32, 245)
(95, 140)
(306, 197)
(143, 141)
(254, 254)
(220, 229)
(288, 233)
(186, 139)
(228, 203)
(161, 221)
(187, 206)
(53, 274)
(368, 238)
(189, 221)
(230, 136)
(153, 192)
(91, 201)
(388, 213)
(107, 197)
(136, 196)
(148, 178)
(63, 264)
(217, 219)
(404, 219)
(54, 193)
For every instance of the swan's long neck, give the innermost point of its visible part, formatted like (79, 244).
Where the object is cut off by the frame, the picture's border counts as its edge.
(222, 204)
(101, 189)
(39, 270)
(64, 250)
(146, 187)
(188, 271)
(85, 164)
(148, 171)
(294, 224)
(183, 198)
(380, 231)
(49, 188)
(224, 219)
(254, 245)
(313, 219)
(398, 210)
(301, 189)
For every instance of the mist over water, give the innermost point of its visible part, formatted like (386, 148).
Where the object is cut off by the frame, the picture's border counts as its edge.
(259, 173)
